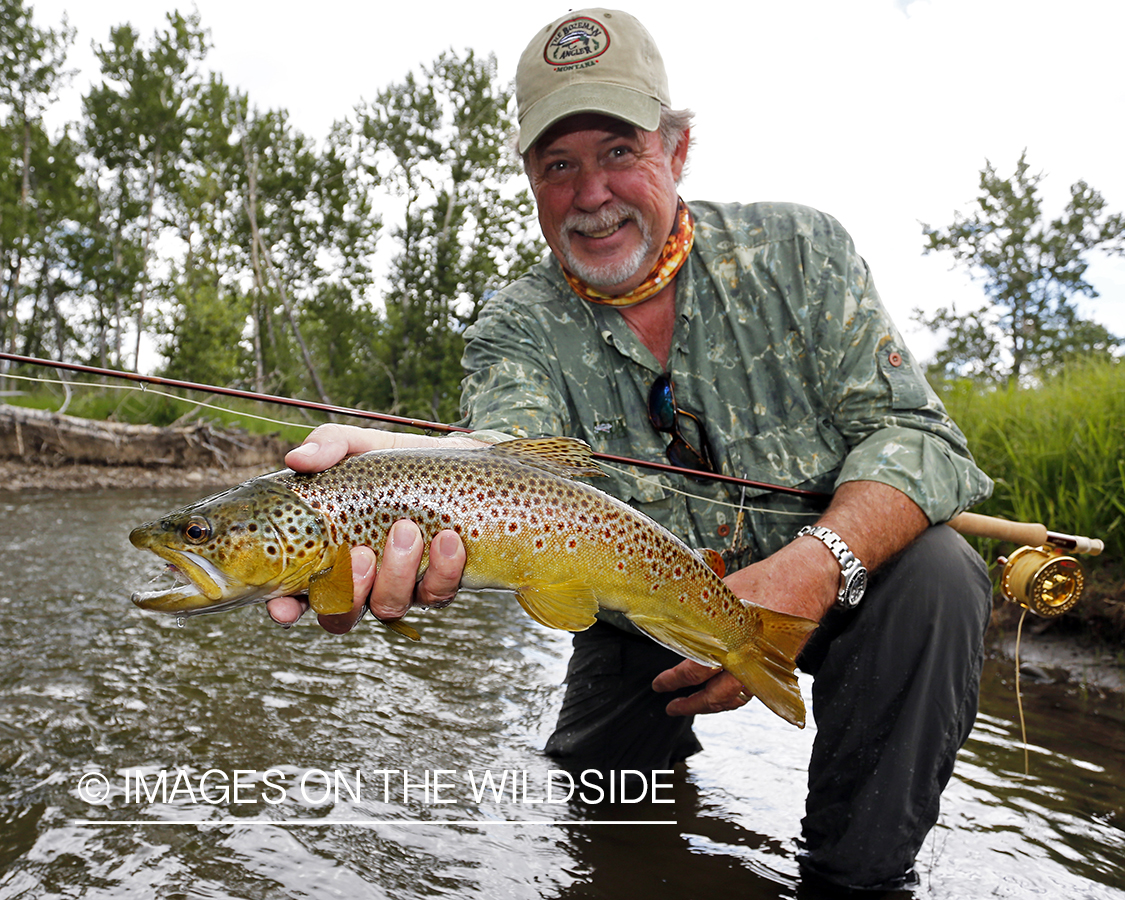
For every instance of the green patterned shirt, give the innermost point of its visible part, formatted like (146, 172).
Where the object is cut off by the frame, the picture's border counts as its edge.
(781, 346)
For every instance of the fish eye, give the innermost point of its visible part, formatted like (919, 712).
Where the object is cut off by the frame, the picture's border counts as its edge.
(197, 530)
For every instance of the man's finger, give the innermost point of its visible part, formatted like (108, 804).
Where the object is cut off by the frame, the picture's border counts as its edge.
(393, 590)
(324, 447)
(721, 691)
(286, 610)
(684, 675)
(443, 576)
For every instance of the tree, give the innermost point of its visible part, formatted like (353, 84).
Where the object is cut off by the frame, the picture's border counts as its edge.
(464, 231)
(138, 130)
(31, 73)
(1033, 271)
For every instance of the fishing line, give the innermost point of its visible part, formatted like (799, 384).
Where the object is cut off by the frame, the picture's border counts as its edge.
(645, 479)
(1019, 696)
(143, 388)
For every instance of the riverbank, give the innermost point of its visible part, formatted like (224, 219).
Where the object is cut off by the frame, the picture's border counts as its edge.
(20, 475)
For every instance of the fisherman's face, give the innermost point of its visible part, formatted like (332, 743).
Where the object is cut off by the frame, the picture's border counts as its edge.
(606, 195)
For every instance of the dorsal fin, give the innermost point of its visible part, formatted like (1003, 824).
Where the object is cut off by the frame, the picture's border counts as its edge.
(557, 455)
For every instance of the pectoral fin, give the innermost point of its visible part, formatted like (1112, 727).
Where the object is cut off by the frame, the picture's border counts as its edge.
(400, 627)
(705, 649)
(570, 605)
(331, 591)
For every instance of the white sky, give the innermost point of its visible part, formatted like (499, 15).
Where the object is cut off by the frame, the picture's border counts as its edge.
(880, 112)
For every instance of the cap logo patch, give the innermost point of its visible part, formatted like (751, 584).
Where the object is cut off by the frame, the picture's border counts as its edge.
(576, 41)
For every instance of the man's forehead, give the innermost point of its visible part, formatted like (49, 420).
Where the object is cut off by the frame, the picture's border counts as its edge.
(586, 122)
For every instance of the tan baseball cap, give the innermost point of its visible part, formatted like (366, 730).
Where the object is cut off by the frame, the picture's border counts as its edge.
(590, 60)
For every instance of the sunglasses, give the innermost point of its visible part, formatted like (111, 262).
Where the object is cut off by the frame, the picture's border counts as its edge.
(663, 413)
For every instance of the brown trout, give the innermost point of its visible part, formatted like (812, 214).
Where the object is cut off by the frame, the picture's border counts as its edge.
(564, 547)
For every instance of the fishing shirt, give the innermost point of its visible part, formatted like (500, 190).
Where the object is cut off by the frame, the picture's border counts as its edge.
(781, 347)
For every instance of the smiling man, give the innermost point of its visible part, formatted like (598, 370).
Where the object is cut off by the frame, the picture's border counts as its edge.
(747, 339)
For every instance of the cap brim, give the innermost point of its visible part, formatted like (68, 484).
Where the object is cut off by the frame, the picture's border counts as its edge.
(623, 103)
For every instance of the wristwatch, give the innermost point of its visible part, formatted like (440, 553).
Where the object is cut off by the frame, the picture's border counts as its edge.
(853, 576)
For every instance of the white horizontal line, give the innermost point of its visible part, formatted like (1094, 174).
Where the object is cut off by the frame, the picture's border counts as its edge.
(368, 823)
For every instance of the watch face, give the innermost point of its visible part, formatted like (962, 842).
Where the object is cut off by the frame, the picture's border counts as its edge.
(853, 591)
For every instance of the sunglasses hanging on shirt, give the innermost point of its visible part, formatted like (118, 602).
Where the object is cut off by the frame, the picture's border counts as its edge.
(664, 415)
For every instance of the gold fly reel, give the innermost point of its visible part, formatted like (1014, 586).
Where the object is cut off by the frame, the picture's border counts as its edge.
(1042, 580)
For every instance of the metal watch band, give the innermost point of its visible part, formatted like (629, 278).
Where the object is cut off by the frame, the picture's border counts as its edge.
(853, 576)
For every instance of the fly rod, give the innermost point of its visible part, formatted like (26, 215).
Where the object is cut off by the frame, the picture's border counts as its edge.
(1040, 578)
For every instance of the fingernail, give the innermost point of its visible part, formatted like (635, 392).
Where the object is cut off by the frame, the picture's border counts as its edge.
(278, 621)
(447, 544)
(403, 536)
(366, 569)
(306, 449)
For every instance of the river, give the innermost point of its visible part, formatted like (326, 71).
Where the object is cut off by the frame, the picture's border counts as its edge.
(226, 757)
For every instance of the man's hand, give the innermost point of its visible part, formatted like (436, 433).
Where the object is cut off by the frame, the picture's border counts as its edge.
(392, 585)
(802, 579)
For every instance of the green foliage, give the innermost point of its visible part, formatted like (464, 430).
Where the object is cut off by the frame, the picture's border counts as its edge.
(1056, 453)
(1032, 271)
(177, 216)
(445, 132)
(37, 175)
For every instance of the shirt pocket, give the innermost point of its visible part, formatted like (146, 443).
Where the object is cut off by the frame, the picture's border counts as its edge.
(908, 387)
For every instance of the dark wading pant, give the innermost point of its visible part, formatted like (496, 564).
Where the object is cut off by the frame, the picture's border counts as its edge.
(894, 698)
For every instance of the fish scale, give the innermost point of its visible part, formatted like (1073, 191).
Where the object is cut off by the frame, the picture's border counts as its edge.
(564, 547)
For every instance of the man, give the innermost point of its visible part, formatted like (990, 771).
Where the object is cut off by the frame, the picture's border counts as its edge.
(743, 339)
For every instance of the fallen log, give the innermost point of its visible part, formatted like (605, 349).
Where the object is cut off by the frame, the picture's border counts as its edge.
(54, 439)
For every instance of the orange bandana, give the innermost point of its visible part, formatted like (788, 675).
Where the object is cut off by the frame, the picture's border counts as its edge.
(672, 257)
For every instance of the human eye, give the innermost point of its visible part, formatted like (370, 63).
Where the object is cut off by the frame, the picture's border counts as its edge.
(619, 154)
(555, 170)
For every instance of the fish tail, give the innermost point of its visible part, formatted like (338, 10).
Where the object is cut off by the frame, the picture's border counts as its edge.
(766, 667)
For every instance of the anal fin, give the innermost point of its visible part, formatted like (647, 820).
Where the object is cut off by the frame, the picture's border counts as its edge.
(687, 641)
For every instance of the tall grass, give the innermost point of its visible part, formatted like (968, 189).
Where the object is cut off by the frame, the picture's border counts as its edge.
(1056, 452)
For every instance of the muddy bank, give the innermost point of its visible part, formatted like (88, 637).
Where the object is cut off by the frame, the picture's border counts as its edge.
(17, 475)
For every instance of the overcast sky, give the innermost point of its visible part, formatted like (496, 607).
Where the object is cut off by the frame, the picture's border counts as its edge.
(880, 112)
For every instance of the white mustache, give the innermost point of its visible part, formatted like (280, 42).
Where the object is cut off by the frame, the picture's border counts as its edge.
(602, 220)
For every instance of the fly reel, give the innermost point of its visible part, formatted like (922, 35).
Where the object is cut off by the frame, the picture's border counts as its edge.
(1039, 578)
(1042, 580)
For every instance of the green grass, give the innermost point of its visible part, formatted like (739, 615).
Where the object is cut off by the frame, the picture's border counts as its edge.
(1056, 452)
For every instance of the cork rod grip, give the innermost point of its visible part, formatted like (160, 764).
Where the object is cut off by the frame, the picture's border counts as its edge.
(976, 525)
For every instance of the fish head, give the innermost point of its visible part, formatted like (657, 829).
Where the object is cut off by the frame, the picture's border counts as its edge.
(253, 542)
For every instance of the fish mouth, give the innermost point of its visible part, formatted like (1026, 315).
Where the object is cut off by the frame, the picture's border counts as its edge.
(200, 587)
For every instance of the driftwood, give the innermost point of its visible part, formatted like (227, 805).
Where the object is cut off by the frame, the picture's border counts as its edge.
(52, 439)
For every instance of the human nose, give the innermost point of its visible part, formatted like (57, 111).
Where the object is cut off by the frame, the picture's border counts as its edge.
(591, 190)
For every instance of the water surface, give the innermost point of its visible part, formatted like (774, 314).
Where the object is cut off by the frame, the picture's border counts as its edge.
(92, 687)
